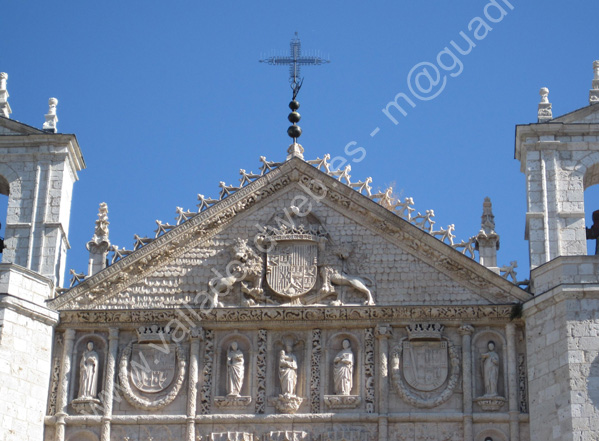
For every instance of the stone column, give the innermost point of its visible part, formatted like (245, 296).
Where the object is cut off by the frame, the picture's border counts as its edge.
(383, 332)
(466, 333)
(63, 384)
(195, 337)
(512, 375)
(108, 394)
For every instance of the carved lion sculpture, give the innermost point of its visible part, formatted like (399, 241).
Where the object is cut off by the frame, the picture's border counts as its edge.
(332, 277)
(252, 267)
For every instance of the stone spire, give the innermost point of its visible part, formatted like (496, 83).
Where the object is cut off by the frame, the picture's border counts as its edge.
(51, 118)
(4, 106)
(99, 245)
(594, 92)
(545, 113)
(487, 240)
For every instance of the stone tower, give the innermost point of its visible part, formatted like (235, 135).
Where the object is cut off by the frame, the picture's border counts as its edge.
(37, 171)
(560, 158)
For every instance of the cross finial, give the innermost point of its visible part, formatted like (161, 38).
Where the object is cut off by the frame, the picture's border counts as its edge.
(295, 61)
(4, 106)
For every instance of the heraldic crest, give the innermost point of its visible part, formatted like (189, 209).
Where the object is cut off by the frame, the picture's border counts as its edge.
(425, 366)
(291, 261)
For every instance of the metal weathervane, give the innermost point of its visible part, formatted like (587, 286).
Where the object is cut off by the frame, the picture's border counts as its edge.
(295, 61)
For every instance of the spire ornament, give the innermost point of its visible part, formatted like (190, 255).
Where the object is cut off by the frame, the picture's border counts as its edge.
(5, 110)
(295, 61)
(51, 118)
(594, 92)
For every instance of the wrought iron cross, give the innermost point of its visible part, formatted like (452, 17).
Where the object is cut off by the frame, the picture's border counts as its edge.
(295, 61)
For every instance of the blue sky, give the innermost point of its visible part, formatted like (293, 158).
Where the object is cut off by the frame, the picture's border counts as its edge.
(168, 98)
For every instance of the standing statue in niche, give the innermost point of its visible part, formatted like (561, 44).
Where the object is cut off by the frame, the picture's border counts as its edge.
(88, 378)
(490, 366)
(235, 370)
(343, 370)
(287, 372)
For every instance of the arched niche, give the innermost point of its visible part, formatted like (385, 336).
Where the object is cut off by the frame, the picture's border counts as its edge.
(492, 435)
(333, 347)
(100, 345)
(83, 435)
(245, 345)
(298, 349)
(480, 342)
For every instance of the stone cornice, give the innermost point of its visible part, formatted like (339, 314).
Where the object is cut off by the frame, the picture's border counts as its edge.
(28, 309)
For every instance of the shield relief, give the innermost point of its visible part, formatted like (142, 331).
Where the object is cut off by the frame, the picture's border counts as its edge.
(152, 367)
(425, 364)
(291, 268)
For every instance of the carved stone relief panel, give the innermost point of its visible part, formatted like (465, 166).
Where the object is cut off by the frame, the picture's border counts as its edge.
(78, 434)
(207, 372)
(261, 368)
(427, 432)
(369, 374)
(147, 432)
(152, 368)
(346, 434)
(232, 436)
(343, 366)
(234, 376)
(287, 435)
(291, 364)
(89, 358)
(425, 366)
(489, 369)
(315, 371)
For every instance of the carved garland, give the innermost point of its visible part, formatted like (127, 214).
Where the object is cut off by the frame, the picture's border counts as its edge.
(54, 386)
(369, 368)
(144, 403)
(315, 371)
(424, 400)
(261, 372)
(208, 368)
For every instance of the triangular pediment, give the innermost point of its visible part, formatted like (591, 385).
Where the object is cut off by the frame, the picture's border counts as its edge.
(344, 241)
(11, 127)
(584, 115)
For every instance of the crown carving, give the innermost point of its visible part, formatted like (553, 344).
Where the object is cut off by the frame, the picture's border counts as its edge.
(294, 232)
(425, 331)
(153, 333)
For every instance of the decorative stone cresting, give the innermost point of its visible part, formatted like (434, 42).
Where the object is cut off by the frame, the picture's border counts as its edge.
(404, 209)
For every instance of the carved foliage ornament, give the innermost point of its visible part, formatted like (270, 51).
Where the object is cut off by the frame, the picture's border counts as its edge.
(422, 363)
(151, 370)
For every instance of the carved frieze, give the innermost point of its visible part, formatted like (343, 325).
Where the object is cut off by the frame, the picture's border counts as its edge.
(345, 434)
(470, 313)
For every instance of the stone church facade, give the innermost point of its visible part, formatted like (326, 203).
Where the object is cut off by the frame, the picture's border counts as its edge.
(300, 306)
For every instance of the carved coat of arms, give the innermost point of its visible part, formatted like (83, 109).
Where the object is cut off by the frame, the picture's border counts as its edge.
(152, 366)
(292, 267)
(425, 364)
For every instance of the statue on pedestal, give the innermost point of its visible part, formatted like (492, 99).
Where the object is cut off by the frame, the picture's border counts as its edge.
(287, 372)
(235, 370)
(88, 377)
(490, 366)
(343, 370)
